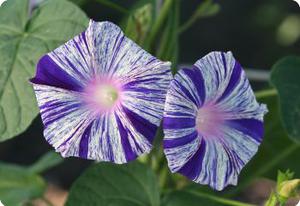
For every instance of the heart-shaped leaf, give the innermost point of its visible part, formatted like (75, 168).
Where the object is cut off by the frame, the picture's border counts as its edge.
(24, 37)
(103, 184)
(285, 77)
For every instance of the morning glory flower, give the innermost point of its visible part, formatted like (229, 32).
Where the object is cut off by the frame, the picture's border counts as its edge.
(101, 96)
(212, 122)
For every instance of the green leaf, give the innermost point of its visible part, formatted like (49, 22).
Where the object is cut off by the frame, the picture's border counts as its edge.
(169, 45)
(139, 23)
(286, 188)
(50, 159)
(285, 77)
(104, 184)
(79, 3)
(24, 38)
(17, 185)
(113, 5)
(158, 23)
(206, 8)
(184, 198)
(284, 176)
(277, 151)
(196, 198)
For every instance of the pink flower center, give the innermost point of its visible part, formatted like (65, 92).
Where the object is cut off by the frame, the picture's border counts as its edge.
(103, 95)
(209, 120)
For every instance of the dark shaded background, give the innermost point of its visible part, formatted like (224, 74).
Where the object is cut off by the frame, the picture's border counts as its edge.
(249, 28)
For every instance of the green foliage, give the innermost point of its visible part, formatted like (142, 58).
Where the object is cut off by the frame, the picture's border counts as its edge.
(47, 161)
(20, 184)
(113, 5)
(285, 77)
(169, 46)
(194, 197)
(24, 37)
(158, 23)
(284, 176)
(119, 185)
(285, 189)
(184, 198)
(133, 184)
(139, 23)
(206, 8)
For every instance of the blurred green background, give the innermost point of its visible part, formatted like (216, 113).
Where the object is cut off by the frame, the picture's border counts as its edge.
(258, 32)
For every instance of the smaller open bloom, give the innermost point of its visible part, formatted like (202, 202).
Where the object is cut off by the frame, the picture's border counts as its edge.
(101, 96)
(212, 122)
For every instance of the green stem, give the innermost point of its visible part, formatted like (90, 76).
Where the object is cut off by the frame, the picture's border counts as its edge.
(188, 23)
(114, 6)
(272, 201)
(159, 22)
(163, 177)
(205, 9)
(283, 155)
(266, 93)
(219, 199)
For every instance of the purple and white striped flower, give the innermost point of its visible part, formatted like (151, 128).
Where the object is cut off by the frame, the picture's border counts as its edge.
(101, 96)
(212, 122)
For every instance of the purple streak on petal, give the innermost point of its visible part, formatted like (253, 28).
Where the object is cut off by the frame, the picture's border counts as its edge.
(84, 142)
(74, 68)
(196, 76)
(193, 167)
(224, 62)
(59, 114)
(141, 89)
(234, 80)
(67, 140)
(251, 127)
(83, 36)
(231, 162)
(178, 123)
(49, 73)
(80, 51)
(129, 153)
(170, 143)
(184, 90)
(180, 114)
(116, 50)
(53, 104)
(109, 155)
(132, 84)
(143, 126)
(151, 60)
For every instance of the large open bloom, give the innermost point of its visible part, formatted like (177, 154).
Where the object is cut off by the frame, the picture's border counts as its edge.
(212, 122)
(101, 96)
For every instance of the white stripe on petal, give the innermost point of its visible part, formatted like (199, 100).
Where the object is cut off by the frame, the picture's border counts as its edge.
(75, 58)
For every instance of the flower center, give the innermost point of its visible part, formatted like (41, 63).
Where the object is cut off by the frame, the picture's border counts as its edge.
(103, 95)
(208, 121)
(106, 95)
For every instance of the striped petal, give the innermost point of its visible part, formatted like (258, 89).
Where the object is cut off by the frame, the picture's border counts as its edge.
(213, 124)
(101, 96)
